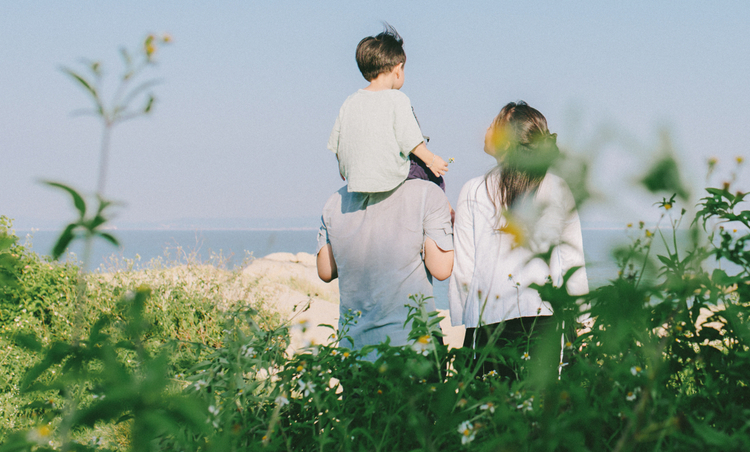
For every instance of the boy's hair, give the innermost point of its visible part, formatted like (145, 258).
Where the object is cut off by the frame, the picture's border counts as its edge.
(381, 53)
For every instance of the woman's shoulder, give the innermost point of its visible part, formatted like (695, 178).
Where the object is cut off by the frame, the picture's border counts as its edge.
(474, 183)
(555, 189)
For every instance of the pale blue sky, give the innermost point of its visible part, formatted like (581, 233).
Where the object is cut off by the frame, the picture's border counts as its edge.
(251, 89)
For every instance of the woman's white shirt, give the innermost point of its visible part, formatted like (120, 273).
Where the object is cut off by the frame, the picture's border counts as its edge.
(492, 274)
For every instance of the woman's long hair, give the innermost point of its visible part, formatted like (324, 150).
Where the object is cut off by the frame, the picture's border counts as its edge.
(524, 149)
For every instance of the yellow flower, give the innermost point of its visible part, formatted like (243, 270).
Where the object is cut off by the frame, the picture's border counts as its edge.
(739, 159)
(451, 160)
(667, 206)
(649, 233)
(166, 38)
(424, 339)
(514, 230)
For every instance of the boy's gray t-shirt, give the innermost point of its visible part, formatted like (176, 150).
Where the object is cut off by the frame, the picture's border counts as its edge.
(377, 241)
(373, 135)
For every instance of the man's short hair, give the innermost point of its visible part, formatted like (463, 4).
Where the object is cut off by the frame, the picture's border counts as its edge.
(381, 53)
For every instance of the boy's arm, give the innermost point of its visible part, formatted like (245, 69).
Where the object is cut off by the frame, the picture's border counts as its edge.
(340, 173)
(433, 161)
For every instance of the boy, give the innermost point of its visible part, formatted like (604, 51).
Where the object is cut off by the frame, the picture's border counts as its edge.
(376, 132)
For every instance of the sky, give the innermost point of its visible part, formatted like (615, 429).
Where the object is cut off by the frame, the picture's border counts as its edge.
(248, 93)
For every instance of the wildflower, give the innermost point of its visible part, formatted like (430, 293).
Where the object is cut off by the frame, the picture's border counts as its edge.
(433, 389)
(515, 230)
(39, 434)
(281, 400)
(423, 345)
(466, 429)
(247, 351)
(149, 46)
(526, 356)
(526, 405)
(649, 233)
(200, 384)
(630, 225)
(488, 406)
(492, 373)
(334, 352)
(213, 410)
(510, 276)
(739, 159)
(568, 345)
(166, 38)
(380, 392)
(308, 387)
(451, 160)
(344, 355)
(630, 397)
(302, 325)
(667, 206)
(635, 370)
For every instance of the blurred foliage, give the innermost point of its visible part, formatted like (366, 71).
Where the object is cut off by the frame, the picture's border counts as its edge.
(189, 358)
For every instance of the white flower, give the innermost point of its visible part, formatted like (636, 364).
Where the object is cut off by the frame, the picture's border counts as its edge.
(308, 388)
(488, 406)
(213, 410)
(281, 400)
(635, 370)
(466, 429)
(632, 395)
(247, 351)
(200, 384)
(526, 356)
(423, 345)
(492, 373)
(527, 405)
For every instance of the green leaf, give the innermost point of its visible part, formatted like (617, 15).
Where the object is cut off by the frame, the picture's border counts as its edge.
(149, 104)
(721, 278)
(108, 237)
(28, 341)
(82, 81)
(77, 199)
(66, 237)
(665, 176)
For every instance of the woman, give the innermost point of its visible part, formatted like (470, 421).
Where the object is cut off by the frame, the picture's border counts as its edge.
(505, 219)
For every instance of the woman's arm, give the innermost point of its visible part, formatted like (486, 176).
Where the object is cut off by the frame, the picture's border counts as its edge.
(327, 270)
(437, 261)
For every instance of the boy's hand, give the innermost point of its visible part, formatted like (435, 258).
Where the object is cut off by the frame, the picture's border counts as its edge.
(438, 166)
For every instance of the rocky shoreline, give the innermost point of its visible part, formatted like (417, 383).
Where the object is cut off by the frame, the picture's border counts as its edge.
(291, 281)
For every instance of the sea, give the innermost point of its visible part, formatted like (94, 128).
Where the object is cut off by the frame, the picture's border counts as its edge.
(235, 248)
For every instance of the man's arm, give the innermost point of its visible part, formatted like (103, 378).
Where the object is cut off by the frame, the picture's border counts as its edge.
(437, 261)
(327, 270)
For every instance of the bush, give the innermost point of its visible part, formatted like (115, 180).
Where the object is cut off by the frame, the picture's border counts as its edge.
(663, 366)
